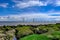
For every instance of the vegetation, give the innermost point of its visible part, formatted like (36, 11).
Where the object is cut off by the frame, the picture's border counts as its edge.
(31, 32)
(35, 37)
(23, 31)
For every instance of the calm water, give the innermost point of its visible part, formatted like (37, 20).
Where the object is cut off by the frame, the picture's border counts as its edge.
(14, 38)
(10, 23)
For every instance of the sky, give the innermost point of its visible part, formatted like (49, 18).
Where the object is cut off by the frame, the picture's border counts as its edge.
(15, 10)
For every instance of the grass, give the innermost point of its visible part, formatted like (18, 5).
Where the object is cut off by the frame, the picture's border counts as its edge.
(46, 36)
(35, 37)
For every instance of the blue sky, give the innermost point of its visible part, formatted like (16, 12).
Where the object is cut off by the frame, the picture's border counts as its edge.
(14, 10)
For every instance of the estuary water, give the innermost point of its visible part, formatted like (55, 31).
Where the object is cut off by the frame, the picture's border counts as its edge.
(15, 23)
(10, 23)
(14, 38)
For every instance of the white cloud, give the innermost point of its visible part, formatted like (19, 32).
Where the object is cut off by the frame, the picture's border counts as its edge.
(29, 16)
(54, 2)
(57, 2)
(29, 3)
(3, 5)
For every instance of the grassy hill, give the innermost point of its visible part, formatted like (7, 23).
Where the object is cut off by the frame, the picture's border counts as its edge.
(35, 37)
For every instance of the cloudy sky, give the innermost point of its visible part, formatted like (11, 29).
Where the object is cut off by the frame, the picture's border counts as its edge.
(14, 10)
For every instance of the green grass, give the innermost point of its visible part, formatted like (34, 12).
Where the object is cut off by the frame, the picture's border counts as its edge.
(46, 36)
(35, 37)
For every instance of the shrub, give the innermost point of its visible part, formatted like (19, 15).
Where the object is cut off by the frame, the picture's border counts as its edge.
(22, 31)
